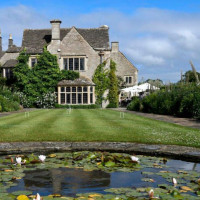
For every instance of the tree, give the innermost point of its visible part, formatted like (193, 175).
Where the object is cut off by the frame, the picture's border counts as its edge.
(22, 71)
(38, 85)
(101, 81)
(113, 86)
(189, 77)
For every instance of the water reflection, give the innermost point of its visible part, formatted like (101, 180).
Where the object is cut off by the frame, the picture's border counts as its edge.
(63, 181)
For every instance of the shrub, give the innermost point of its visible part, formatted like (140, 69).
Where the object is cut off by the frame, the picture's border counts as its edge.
(180, 100)
(135, 104)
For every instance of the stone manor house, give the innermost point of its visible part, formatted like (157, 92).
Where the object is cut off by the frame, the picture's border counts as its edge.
(77, 49)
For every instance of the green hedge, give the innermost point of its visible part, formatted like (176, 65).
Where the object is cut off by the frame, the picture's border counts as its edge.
(180, 100)
(92, 106)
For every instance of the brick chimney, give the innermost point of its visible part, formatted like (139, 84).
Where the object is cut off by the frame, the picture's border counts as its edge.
(0, 42)
(55, 31)
(115, 46)
(10, 41)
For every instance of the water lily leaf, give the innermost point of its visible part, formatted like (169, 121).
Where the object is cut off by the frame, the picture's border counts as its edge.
(186, 188)
(22, 197)
(110, 164)
(17, 193)
(52, 155)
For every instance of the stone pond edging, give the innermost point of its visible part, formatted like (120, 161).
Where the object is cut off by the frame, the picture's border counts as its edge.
(177, 152)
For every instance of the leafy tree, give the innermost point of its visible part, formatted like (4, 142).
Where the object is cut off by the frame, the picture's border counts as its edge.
(22, 71)
(38, 85)
(113, 86)
(189, 77)
(69, 75)
(46, 73)
(101, 80)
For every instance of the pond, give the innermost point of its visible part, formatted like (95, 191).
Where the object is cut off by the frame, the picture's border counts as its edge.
(98, 175)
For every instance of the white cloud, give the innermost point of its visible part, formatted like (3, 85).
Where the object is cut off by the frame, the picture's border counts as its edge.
(159, 42)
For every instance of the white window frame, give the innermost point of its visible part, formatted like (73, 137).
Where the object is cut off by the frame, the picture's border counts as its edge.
(65, 92)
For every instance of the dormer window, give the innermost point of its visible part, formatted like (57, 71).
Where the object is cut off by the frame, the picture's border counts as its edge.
(74, 63)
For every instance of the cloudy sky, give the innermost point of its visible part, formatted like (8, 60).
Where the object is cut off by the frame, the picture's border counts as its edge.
(159, 37)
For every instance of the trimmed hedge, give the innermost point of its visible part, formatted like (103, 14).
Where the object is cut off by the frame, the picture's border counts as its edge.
(181, 101)
(92, 106)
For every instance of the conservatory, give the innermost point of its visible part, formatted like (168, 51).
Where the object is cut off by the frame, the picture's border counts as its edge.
(78, 91)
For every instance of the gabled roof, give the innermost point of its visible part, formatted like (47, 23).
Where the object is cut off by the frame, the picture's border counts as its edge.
(10, 63)
(35, 39)
(82, 81)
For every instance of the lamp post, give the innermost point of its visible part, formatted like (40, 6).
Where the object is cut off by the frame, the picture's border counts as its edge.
(101, 54)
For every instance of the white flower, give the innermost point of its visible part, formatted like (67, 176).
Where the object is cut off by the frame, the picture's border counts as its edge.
(19, 160)
(42, 158)
(151, 193)
(174, 181)
(134, 159)
(37, 197)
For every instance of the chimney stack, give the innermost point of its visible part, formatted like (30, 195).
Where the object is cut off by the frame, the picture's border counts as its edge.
(10, 41)
(115, 46)
(0, 42)
(55, 29)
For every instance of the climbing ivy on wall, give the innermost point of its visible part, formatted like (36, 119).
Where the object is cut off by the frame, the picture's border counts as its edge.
(113, 96)
(101, 81)
(39, 82)
(106, 79)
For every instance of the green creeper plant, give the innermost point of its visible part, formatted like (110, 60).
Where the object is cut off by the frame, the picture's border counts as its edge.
(113, 86)
(101, 81)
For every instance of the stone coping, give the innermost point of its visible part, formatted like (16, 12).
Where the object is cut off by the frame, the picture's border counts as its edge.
(173, 151)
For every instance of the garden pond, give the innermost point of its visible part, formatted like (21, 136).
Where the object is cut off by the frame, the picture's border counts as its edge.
(96, 176)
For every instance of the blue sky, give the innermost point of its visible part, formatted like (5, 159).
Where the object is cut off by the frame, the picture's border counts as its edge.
(159, 37)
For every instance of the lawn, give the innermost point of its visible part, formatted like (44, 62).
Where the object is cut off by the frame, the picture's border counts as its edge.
(93, 125)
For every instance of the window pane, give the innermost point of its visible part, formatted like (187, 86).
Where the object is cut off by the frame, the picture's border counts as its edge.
(126, 79)
(33, 62)
(84, 89)
(71, 63)
(68, 98)
(80, 98)
(130, 79)
(82, 64)
(62, 89)
(91, 89)
(76, 63)
(85, 98)
(68, 89)
(7, 71)
(79, 89)
(65, 63)
(62, 98)
(91, 97)
(73, 98)
(73, 89)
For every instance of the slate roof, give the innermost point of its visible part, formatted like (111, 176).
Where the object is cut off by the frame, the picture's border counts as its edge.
(10, 63)
(35, 39)
(13, 49)
(82, 81)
